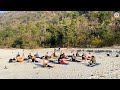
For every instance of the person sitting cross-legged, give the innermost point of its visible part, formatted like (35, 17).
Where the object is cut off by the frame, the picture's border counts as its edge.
(92, 61)
(47, 55)
(29, 57)
(83, 56)
(19, 58)
(60, 60)
(37, 55)
(64, 56)
(89, 56)
(45, 63)
(73, 58)
(54, 55)
(34, 59)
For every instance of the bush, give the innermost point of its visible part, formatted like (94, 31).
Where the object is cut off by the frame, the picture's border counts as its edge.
(97, 42)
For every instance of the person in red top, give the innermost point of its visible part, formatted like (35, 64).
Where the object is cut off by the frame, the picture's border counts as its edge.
(63, 56)
(83, 56)
(60, 60)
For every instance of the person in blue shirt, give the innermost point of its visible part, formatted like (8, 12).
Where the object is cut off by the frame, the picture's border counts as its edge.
(73, 58)
(37, 55)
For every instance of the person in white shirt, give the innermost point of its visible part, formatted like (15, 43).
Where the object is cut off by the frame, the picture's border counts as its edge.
(89, 56)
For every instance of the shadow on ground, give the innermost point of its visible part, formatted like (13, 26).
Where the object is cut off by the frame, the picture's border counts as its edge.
(86, 64)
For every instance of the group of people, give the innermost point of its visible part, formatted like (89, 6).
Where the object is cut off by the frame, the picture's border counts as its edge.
(17, 59)
(33, 58)
(89, 57)
(60, 59)
(30, 58)
(86, 57)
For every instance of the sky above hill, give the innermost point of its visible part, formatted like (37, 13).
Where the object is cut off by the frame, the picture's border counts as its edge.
(3, 12)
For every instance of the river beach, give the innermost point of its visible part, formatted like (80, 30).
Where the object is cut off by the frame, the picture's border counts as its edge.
(109, 67)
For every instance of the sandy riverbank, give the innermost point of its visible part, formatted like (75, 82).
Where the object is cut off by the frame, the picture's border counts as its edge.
(108, 69)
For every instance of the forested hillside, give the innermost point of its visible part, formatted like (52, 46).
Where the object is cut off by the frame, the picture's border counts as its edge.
(34, 29)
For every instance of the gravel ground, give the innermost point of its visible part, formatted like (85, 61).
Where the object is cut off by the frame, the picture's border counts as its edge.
(109, 67)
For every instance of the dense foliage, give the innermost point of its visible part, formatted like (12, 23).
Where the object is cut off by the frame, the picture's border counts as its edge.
(25, 29)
